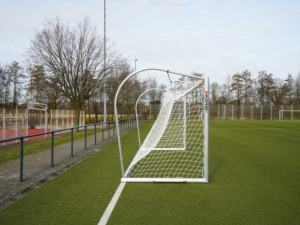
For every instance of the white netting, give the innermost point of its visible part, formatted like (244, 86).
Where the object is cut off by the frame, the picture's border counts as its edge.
(174, 145)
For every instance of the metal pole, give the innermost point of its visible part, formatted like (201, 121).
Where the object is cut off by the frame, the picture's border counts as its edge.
(68, 118)
(51, 120)
(114, 128)
(85, 137)
(21, 159)
(242, 112)
(271, 113)
(206, 129)
(184, 122)
(46, 120)
(292, 116)
(95, 135)
(4, 125)
(108, 130)
(102, 132)
(16, 123)
(104, 92)
(52, 149)
(72, 142)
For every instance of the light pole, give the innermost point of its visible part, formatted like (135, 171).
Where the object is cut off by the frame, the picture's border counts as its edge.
(104, 94)
(135, 63)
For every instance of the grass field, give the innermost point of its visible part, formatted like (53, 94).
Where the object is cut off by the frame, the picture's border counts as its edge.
(254, 179)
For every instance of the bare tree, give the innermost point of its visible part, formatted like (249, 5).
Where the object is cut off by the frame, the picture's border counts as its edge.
(248, 86)
(73, 57)
(297, 88)
(265, 87)
(289, 89)
(14, 78)
(214, 92)
(237, 85)
(278, 92)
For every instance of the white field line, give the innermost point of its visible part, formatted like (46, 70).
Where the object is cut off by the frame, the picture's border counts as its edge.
(254, 128)
(111, 205)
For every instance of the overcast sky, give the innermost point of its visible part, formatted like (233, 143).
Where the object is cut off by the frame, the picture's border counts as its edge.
(216, 38)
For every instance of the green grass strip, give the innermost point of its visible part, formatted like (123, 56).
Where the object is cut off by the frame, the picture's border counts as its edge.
(79, 195)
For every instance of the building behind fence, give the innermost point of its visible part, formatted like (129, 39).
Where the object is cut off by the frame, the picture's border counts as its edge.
(20, 122)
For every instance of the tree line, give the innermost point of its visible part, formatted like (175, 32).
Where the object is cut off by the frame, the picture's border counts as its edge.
(265, 89)
(67, 68)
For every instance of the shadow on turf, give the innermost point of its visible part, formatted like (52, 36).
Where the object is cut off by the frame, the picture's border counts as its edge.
(216, 164)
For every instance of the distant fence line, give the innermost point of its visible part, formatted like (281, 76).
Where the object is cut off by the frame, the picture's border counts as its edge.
(253, 112)
(20, 122)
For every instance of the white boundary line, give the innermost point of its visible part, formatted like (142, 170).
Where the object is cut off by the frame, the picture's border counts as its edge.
(111, 205)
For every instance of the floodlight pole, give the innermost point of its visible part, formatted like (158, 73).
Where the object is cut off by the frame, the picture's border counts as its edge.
(104, 74)
(136, 115)
(116, 110)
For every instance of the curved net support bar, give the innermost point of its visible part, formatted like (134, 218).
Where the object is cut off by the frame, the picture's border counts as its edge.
(173, 151)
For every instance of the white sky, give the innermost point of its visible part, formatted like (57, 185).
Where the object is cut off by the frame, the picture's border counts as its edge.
(212, 37)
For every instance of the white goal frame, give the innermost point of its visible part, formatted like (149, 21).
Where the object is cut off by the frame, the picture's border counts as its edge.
(30, 105)
(281, 114)
(136, 114)
(205, 178)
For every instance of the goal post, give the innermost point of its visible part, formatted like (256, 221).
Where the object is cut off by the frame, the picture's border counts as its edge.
(136, 113)
(176, 148)
(39, 107)
(289, 115)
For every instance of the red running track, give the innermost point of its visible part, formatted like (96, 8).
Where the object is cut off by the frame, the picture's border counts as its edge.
(10, 133)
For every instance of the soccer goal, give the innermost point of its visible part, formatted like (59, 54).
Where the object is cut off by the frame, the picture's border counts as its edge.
(289, 115)
(176, 148)
(37, 114)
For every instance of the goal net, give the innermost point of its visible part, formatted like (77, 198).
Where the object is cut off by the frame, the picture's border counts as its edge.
(174, 149)
(289, 115)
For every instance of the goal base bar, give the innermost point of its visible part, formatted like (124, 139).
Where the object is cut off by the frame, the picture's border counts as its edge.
(166, 180)
(164, 149)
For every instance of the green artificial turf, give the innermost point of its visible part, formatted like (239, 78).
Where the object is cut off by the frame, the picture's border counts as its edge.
(254, 179)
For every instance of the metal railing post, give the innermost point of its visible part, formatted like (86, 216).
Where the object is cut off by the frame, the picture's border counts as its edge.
(95, 135)
(21, 159)
(84, 137)
(102, 132)
(108, 129)
(72, 142)
(114, 134)
(52, 148)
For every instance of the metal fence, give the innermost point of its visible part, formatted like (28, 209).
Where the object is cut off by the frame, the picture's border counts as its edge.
(32, 167)
(252, 112)
(21, 122)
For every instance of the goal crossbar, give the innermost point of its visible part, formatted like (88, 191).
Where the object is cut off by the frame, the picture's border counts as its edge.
(292, 115)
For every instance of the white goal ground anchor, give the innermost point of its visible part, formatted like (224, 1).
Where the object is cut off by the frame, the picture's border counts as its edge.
(176, 148)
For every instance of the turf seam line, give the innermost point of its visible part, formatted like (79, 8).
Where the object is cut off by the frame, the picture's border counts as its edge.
(111, 205)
